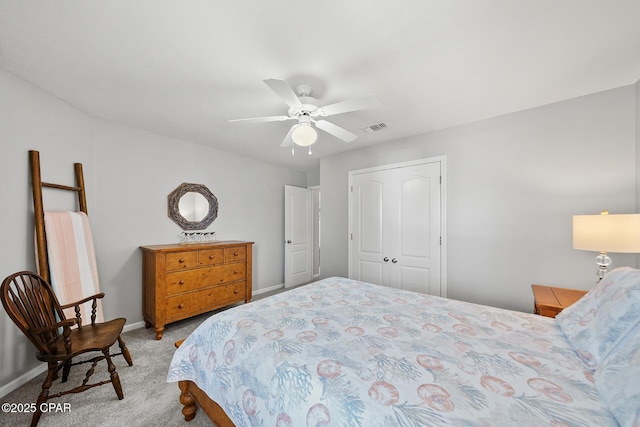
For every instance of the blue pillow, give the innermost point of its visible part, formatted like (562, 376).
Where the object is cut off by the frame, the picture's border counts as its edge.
(618, 380)
(597, 322)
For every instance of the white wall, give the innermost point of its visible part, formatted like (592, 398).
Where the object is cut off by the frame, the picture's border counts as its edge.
(513, 183)
(128, 173)
(637, 130)
(637, 106)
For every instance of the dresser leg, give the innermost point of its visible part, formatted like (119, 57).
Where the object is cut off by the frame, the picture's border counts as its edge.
(159, 331)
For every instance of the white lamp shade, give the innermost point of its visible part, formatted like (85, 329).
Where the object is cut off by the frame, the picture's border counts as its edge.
(304, 134)
(607, 233)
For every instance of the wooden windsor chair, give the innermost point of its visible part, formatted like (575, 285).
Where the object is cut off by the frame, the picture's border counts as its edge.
(33, 306)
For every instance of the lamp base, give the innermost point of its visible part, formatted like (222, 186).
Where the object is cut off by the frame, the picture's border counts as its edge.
(603, 262)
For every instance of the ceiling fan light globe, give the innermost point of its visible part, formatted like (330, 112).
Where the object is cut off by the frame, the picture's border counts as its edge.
(304, 135)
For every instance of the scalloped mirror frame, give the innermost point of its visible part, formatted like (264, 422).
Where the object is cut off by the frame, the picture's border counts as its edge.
(174, 210)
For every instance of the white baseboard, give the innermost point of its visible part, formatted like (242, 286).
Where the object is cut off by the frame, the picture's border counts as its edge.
(269, 289)
(132, 326)
(22, 379)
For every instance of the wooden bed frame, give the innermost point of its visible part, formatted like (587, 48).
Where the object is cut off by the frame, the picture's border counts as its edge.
(191, 396)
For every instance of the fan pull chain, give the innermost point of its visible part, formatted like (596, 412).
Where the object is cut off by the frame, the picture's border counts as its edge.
(310, 150)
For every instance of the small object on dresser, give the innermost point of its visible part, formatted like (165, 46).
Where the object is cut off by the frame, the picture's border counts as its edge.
(187, 237)
(549, 301)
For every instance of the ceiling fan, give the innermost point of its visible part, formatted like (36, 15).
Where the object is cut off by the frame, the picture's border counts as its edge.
(307, 111)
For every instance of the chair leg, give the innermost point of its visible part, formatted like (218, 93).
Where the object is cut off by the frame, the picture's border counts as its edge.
(44, 394)
(115, 379)
(125, 351)
(65, 370)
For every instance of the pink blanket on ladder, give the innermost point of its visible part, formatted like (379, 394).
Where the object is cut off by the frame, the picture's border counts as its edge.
(72, 261)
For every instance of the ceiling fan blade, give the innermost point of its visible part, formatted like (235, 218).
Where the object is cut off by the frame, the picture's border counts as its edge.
(355, 104)
(261, 119)
(284, 91)
(336, 131)
(288, 141)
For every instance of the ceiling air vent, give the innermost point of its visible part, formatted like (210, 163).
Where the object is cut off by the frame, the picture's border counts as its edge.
(375, 128)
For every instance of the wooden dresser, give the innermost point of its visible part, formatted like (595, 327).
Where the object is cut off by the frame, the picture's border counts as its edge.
(181, 281)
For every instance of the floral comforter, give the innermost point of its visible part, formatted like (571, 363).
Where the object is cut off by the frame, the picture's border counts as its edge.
(340, 352)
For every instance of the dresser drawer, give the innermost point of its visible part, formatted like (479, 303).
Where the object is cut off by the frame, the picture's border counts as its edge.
(233, 292)
(186, 305)
(183, 281)
(181, 260)
(210, 257)
(235, 254)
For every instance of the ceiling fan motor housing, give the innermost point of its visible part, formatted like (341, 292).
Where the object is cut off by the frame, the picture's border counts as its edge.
(309, 107)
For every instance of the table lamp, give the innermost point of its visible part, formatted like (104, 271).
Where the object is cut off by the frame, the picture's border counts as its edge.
(606, 233)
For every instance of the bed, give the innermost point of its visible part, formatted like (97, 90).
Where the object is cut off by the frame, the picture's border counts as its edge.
(341, 352)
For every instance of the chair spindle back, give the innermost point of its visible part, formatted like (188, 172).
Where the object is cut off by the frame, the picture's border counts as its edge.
(32, 305)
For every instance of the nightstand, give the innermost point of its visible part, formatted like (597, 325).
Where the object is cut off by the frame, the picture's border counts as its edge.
(549, 301)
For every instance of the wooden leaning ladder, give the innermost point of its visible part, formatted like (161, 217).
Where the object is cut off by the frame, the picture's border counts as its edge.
(38, 207)
(41, 239)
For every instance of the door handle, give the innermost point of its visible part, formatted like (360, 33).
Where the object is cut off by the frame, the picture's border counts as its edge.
(288, 241)
(385, 259)
(394, 260)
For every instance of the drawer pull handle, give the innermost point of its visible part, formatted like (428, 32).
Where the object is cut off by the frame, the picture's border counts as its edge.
(235, 291)
(235, 254)
(210, 256)
(181, 306)
(181, 282)
(235, 271)
(181, 260)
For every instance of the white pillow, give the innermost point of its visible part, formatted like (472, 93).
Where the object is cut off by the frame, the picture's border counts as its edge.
(597, 322)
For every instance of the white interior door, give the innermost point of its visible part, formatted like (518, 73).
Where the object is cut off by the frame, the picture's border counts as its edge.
(366, 232)
(413, 228)
(396, 227)
(298, 248)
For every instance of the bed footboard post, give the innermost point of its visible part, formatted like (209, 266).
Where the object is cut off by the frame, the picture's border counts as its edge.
(190, 407)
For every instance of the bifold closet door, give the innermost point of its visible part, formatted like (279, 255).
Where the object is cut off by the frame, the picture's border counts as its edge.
(396, 227)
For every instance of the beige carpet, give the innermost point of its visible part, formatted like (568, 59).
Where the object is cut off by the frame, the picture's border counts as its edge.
(148, 399)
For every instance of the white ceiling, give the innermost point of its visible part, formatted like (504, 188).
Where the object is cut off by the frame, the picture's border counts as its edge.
(184, 68)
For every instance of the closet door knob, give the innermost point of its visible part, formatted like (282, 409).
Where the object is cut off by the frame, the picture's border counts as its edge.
(394, 260)
(385, 259)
